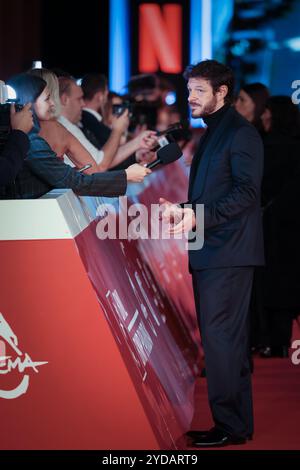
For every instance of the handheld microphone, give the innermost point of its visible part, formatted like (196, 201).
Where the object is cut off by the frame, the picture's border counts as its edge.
(85, 167)
(165, 155)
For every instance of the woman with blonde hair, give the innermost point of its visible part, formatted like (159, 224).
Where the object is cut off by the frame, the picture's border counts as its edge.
(77, 152)
(62, 142)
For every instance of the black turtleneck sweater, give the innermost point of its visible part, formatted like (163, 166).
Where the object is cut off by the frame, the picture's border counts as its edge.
(212, 121)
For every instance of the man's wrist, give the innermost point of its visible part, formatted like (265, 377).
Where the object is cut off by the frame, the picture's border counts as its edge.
(117, 131)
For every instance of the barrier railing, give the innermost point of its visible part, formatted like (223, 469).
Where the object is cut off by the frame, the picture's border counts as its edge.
(97, 337)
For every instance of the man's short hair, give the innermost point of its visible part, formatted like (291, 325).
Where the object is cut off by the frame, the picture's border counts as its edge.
(92, 83)
(216, 73)
(65, 85)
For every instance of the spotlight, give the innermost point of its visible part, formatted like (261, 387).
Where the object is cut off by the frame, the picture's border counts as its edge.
(170, 98)
(37, 64)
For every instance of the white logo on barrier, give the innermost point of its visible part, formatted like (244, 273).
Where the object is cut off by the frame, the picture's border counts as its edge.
(8, 364)
(141, 222)
(296, 354)
(296, 94)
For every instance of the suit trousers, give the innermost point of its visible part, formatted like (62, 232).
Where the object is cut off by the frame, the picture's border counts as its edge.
(222, 298)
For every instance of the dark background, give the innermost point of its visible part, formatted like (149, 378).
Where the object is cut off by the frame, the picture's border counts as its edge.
(74, 37)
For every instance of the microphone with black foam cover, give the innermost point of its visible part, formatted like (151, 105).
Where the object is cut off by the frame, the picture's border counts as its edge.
(165, 155)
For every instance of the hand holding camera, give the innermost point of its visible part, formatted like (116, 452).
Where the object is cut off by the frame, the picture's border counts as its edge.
(12, 116)
(21, 120)
(120, 123)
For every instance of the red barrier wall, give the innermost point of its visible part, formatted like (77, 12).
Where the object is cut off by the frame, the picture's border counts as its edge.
(96, 349)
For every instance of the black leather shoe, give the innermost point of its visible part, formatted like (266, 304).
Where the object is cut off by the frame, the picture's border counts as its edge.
(198, 434)
(217, 438)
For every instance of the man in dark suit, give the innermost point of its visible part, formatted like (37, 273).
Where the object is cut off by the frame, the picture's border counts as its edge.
(225, 179)
(95, 92)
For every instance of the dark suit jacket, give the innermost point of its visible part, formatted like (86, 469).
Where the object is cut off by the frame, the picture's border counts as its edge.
(43, 171)
(91, 125)
(12, 156)
(228, 183)
(98, 134)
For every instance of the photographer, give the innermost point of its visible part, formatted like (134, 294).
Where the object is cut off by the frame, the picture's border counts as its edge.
(95, 93)
(17, 146)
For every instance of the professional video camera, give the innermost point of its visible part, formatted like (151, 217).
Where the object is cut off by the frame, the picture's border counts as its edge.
(142, 101)
(145, 100)
(145, 112)
(7, 97)
(140, 112)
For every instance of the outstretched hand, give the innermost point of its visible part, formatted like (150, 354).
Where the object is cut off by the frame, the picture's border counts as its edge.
(187, 223)
(180, 219)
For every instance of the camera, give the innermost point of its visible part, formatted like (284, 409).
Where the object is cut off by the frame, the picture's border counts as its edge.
(167, 136)
(179, 131)
(140, 112)
(6, 99)
(118, 109)
(142, 102)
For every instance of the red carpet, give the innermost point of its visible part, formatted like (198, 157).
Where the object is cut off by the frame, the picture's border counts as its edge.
(276, 390)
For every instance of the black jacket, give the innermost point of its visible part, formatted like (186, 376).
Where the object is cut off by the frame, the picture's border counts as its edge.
(98, 134)
(92, 127)
(228, 183)
(12, 156)
(43, 171)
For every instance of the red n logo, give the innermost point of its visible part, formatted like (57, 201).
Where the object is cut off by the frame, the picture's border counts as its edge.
(160, 38)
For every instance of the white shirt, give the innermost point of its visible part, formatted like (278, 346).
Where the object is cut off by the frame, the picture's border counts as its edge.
(96, 154)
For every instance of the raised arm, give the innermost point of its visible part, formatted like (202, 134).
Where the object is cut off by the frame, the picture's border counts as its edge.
(145, 140)
(62, 142)
(45, 164)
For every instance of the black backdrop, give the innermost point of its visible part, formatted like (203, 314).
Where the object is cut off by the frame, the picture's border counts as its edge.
(71, 36)
(74, 36)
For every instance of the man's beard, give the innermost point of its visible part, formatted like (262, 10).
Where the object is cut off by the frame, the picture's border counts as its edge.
(209, 108)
